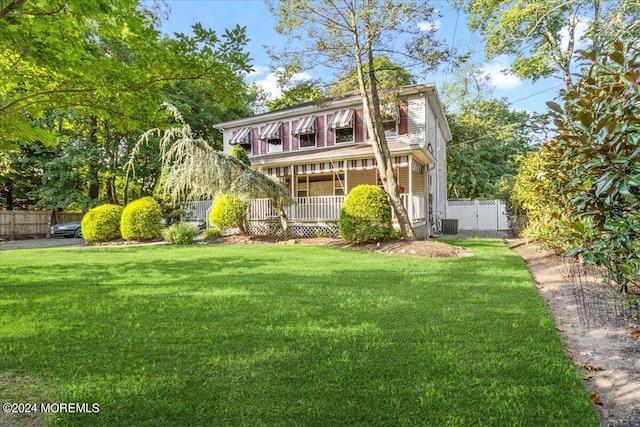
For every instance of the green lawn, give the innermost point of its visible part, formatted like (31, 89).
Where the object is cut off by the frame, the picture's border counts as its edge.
(231, 335)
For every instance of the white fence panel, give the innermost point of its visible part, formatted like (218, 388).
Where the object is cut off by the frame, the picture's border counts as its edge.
(478, 214)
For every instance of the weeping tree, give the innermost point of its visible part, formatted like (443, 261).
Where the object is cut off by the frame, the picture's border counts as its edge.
(193, 170)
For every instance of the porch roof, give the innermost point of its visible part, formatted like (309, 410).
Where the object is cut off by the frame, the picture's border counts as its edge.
(350, 152)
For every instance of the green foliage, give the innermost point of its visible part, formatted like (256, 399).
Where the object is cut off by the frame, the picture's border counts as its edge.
(365, 215)
(599, 139)
(541, 196)
(211, 233)
(179, 234)
(488, 138)
(102, 223)
(141, 219)
(299, 93)
(240, 153)
(389, 76)
(228, 211)
(542, 34)
(74, 54)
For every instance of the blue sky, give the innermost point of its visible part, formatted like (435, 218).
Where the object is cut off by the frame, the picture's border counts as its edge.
(221, 14)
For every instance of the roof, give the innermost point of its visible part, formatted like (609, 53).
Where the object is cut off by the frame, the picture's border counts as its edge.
(356, 151)
(351, 99)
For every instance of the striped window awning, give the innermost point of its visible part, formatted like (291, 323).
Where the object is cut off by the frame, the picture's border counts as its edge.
(283, 171)
(271, 131)
(242, 137)
(320, 167)
(305, 126)
(361, 164)
(342, 119)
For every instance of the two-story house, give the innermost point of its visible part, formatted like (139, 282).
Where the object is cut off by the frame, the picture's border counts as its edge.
(321, 152)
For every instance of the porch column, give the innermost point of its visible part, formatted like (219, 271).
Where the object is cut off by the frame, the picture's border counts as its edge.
(346, 179)
(410, 201)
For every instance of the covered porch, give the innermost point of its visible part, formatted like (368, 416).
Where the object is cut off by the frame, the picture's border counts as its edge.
(320, 180)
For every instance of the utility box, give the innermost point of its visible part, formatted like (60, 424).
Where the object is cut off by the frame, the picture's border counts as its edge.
(449, 226)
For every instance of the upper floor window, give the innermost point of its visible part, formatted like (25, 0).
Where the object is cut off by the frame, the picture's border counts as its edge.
(342, 125)
(242, 137)
(390, 118)
(272, 134)
(305, 131)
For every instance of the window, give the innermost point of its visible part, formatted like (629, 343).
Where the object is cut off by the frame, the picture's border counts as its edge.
(344, 135)
(274, 145)
(307, 140)
(320, 185)
(342, 125)
(390, 126)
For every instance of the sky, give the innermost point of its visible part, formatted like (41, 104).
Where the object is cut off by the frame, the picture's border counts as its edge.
(254, 15)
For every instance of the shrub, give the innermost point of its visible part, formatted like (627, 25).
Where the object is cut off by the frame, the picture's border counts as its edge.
(240, 153)
(366, 215)
(141, 219)
(211, 233)
(228, 211)
(179, 234)
(102, 223)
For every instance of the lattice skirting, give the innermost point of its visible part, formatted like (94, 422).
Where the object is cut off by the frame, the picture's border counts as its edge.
(272, 227)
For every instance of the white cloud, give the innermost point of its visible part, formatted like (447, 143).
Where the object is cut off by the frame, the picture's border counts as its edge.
(499, 79)
(429, 25)
(270, 83)
(257, 71)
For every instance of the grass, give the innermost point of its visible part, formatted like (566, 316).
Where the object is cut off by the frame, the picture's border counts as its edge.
(280, 335)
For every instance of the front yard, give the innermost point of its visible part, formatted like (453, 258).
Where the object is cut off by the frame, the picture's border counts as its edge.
(282, 335)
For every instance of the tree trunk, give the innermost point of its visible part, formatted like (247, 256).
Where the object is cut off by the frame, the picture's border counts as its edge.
(94, 189)
(379, 140)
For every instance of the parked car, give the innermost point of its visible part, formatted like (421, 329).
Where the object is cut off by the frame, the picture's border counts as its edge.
(67, 229)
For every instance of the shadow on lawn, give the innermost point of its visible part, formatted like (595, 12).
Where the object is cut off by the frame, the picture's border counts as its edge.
(237, 338)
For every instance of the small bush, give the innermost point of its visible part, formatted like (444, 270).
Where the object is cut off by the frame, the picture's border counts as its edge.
(228, 211)
(240, 153)
(211, 234)
(179, 234)
(102, 223)
(366, 215)
(141, 219)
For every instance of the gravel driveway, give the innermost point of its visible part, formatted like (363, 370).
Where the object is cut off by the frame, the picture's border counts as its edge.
(54, 242)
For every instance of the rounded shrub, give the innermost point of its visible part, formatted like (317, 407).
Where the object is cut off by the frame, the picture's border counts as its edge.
(179, 234)
(366, 215)
(141, 219)
(228, 211)
(102, 223)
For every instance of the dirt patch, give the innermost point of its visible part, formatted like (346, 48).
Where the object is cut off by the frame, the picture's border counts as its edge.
(607, 357)
(416, 248)
(19, 416)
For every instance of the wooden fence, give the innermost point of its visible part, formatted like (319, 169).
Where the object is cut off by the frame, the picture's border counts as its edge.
(21, 224)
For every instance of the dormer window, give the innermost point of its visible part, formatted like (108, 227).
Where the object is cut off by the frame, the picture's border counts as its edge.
(305, 131)
(342, 125)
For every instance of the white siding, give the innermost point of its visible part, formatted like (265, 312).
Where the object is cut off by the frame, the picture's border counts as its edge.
(416, 114)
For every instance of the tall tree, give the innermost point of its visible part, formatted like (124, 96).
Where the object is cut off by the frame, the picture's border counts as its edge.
(73, 53)
(489, 137)
(343, 35)
(544, 34)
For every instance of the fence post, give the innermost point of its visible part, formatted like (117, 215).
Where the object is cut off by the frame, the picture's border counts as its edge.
(12, 231)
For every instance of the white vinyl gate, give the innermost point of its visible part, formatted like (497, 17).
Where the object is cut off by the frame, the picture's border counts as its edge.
(478, 214)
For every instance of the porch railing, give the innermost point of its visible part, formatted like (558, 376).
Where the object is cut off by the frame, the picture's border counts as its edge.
(325, 208)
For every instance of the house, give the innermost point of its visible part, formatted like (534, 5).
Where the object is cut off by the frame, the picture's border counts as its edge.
(321, 152)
